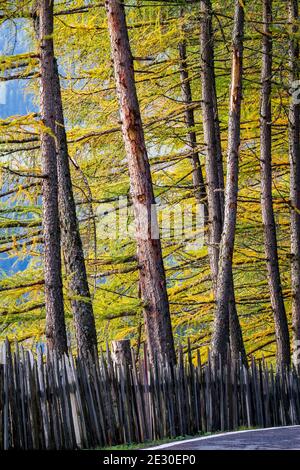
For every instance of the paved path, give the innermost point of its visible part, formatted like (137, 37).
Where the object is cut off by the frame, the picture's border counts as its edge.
(283, 438)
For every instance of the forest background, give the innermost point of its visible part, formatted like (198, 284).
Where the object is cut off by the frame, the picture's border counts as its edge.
(157, 31)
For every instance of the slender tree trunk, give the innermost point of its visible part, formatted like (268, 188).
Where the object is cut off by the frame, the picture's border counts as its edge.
(236, 337)
(152, 275)
(70, 236)
(214, 171)
(281, 326)
(186, 93)
(294, 153)
(212, 178)
(220, 336)
(84, 321)
(235, 332)
(219, 155)
(55, 323)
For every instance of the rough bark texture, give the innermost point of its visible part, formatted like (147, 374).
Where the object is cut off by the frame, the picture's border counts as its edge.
(212, 178)
(152, 275)
(186, 93)
(224, 280)
(219, 155)
(270, 240)
(294, 154)
(84, 321)
(55, 323)
(214, 171)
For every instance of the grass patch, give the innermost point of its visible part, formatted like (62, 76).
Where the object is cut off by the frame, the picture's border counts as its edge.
(146, 444)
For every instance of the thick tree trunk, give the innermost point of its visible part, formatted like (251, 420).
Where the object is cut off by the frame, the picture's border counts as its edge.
(152, 275)
(186, 93)
(84, 321)
(294, 153)
(55, 323)
(270, 240)
(224, 281)
(214, 171)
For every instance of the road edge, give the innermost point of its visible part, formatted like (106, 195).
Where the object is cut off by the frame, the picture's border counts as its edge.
(215, 436)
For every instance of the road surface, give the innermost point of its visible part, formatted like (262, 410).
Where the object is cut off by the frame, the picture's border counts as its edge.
(283, 438)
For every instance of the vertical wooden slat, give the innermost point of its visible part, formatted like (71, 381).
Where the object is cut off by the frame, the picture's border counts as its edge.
(67, 404)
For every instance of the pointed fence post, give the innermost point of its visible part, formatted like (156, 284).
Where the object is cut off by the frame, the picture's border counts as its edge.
(121, 352)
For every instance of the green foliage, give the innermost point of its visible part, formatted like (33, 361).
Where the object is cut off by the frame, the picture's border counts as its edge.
(99, 168)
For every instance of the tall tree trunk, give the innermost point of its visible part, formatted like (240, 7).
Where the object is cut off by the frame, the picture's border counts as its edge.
(235, 331)
(209, 130)
(236, 337)
(270, 240)
(186, 93)
(294, 153)
(86, 336)
(70, 236)
(220, 336)
(55, 323)
(219, 156)
(152, 275)
(214, 171)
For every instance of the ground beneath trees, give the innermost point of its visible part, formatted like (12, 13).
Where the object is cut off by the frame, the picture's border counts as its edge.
(283, 438)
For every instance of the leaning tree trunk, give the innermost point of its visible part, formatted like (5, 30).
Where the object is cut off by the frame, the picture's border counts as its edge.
(294, 153)
(224, 280)
(214, 172)
(151, 269)
(270, 240)
(55, 323)
(86, 336)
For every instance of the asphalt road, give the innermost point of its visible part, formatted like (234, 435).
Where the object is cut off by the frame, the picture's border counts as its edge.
(284, 438)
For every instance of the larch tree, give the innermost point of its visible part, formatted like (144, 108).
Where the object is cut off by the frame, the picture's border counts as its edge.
(294, 154)
(220, 337)
(268, 219)
(71, 244)
(209, 131)
(186, 93)
(55, 322)
(152, 282)
(85, 329)
(101, 177)
(214, 172)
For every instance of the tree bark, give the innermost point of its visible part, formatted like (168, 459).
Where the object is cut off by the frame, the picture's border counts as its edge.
(152, 279)
(86, 336)
(214, 172)
(269, 225)
(55, 323)
(224, 279)
(294, 154)
(186, 93)
(209, 130)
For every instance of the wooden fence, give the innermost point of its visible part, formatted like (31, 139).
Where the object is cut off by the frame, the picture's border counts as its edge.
(68, 404)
